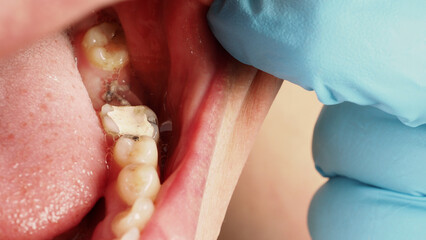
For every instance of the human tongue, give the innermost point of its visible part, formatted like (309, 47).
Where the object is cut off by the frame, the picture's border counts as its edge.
(53, 150)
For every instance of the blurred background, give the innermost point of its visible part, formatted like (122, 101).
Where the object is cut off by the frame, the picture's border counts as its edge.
(272, 196)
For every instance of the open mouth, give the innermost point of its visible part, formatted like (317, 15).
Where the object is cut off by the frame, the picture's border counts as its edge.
(57, 165)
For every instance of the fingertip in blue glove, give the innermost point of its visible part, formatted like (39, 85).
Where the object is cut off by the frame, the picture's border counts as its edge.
(376, 167)
(365, 52)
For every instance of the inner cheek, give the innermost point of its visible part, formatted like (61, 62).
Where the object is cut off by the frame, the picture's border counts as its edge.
(149, 51)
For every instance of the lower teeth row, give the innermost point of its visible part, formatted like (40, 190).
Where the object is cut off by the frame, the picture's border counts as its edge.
(135, 130)
(135, 153)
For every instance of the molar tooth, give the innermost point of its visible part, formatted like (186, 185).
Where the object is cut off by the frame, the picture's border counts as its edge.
(132, 234)
(129, 121)
(136, 217)
(137, 180)
(109, 59)
(126, 151)
(99, 35)
(105, 48)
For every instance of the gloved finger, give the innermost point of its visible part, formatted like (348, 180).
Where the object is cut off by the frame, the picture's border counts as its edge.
(365, 52)
(347, 209)
(22, 22)
(373, 147)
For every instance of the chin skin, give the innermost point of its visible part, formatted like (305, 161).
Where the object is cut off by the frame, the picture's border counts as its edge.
(233, 150)
(217, 106)
(279, 179)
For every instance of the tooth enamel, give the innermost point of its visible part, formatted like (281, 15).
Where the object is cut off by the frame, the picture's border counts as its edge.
(127, 151)
(122, 149)
(107, 122)
(109, 59)
(137, 180)
(145, 151)
(99, 35)
(132, 234)
(136, 217)
(104, 48)
(134, 121)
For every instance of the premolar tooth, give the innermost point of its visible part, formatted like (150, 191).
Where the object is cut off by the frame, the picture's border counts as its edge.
(136, 217)
(127, 151)
(122, 149)
(129, 120)
(105, 48)
(145, 151)
(137, 180)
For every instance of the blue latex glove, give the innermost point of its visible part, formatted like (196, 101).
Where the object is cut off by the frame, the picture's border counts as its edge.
(377, 186)
(365, 52)
(368, 52)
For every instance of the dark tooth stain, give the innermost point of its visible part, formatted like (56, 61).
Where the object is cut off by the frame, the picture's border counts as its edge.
(114, 93)
(135, 138)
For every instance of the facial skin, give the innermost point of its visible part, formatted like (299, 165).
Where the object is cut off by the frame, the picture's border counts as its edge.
(240, 94)
(279, 179)
(22, 22)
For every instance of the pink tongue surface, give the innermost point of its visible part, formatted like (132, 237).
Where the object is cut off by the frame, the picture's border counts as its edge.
(44, 113)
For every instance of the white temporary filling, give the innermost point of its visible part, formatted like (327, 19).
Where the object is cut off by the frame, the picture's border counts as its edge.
(132, 121)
